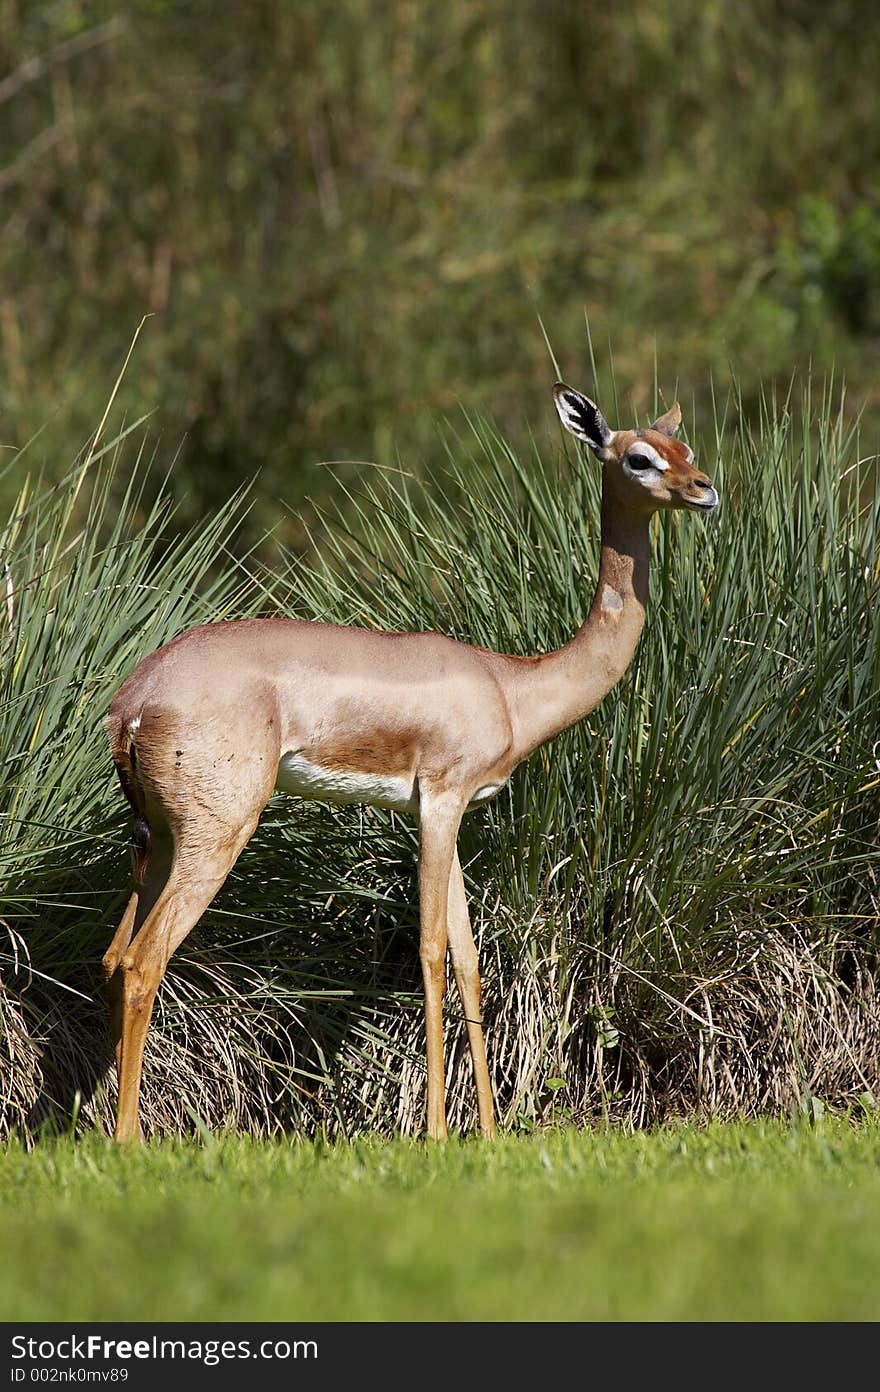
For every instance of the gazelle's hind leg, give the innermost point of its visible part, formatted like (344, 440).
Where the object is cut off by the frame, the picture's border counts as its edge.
(155, 874)
(199, 793)
(112, 975)
(195, 876)
(465, 965)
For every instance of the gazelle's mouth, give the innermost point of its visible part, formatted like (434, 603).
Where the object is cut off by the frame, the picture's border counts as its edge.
(707, 503)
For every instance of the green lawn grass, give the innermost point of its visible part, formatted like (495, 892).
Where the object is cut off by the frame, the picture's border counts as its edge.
(740, 1222)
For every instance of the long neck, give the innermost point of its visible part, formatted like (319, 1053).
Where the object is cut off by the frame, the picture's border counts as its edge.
(562, 687)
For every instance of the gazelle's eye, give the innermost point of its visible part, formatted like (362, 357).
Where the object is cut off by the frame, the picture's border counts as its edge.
(639, 461)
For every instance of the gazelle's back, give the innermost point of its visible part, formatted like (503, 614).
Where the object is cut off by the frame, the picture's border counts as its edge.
(297, 647)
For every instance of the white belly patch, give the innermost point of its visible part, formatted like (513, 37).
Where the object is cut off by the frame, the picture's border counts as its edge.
(298, 775)
(483, 794)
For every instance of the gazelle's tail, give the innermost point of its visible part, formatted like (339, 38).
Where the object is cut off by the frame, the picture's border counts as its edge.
(122, 733)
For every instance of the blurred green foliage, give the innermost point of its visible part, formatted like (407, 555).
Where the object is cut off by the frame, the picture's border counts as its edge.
(346, 218)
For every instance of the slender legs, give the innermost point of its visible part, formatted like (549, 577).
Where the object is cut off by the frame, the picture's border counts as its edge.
(176, 911)
(137, 910)
(465, 965)
(136, 960)
(183, 877)
(438, 829)
(444, 920)
(113, 979)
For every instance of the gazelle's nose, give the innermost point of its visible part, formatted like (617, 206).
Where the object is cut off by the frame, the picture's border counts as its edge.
(705, 496)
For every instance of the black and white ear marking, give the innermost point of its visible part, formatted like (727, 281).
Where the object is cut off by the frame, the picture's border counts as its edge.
(582, 417)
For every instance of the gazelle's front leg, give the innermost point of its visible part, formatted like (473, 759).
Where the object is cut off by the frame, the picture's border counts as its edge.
(466, 966)
(439, 818)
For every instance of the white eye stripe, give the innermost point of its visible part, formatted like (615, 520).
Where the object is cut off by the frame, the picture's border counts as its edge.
(643, 451)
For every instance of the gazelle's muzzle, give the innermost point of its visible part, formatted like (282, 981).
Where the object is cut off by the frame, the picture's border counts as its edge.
(701, 495)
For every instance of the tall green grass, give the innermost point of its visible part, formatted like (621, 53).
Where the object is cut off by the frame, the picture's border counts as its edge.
(676, 901)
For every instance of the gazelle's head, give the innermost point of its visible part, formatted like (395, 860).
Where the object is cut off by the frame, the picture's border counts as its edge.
(648, 469)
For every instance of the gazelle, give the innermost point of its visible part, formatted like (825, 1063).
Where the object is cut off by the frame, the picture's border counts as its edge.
(205, 729)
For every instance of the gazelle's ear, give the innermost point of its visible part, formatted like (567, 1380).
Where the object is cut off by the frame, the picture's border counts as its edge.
(582, 417)
(668, 423)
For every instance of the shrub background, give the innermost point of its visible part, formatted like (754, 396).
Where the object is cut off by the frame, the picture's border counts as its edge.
(346, 218)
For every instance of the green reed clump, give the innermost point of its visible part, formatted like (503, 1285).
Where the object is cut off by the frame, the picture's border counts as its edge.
(676, 900)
